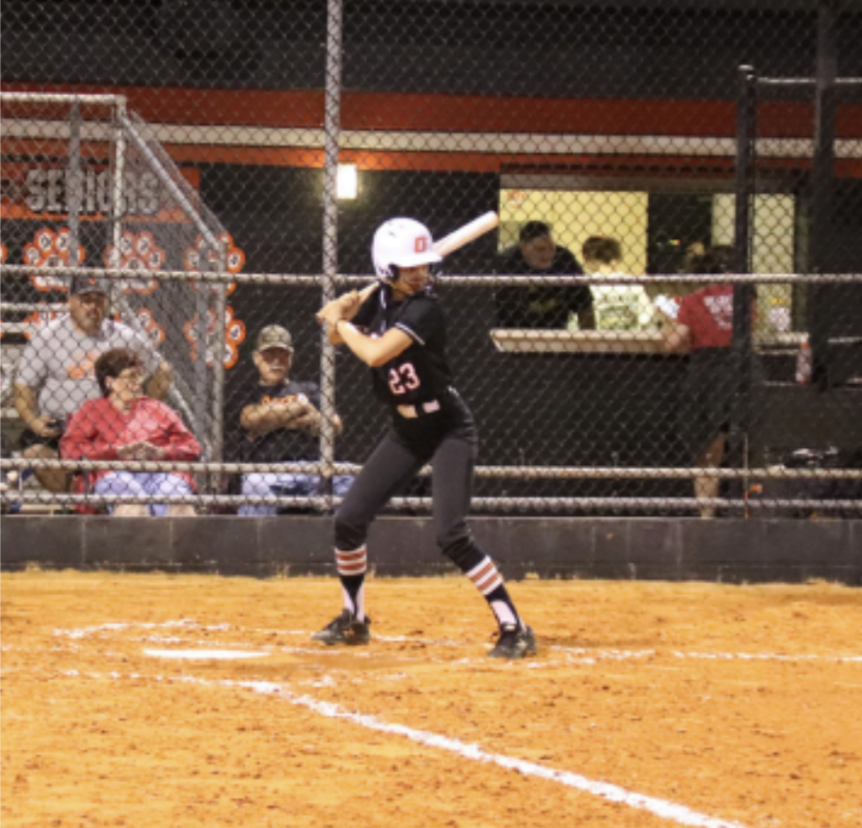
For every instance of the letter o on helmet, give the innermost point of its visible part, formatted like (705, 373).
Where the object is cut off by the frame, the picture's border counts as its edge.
(401, 242)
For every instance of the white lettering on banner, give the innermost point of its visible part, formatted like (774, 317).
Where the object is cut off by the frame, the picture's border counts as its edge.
(403, 379)
(721, 308)
(50, 190)
(55, 191)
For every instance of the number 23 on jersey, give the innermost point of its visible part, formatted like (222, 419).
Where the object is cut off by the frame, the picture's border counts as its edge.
(403, 378)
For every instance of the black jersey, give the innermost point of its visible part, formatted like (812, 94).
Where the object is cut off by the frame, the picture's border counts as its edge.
(540, 306)
(282, 445)
(420, 373)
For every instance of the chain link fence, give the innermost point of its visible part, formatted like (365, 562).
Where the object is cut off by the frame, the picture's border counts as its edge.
(666, 320)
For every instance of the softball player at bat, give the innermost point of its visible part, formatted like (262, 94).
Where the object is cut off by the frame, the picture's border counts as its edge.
(400, 332)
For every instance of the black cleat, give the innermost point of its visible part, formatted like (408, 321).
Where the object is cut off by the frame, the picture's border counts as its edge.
(514, 642)
(344, 630)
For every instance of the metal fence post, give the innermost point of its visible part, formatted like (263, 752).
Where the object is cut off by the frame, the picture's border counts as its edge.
(332, 128)
(75, 183)
(742, 293)
(822, 175)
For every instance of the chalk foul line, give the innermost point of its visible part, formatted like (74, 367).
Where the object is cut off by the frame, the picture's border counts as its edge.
(680, 814)
(613, 793)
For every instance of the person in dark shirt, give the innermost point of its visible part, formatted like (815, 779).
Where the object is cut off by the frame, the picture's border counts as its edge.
(540, 306)
(400, 332)
(281, 423)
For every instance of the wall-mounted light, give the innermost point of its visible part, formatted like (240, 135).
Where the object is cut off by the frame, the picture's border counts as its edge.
(347, 181)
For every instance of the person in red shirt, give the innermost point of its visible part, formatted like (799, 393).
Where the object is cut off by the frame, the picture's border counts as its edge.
(704, 329)
(124, 424)
(708, 316)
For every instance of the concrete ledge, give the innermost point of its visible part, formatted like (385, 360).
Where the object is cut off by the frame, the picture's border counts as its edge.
(673, 549)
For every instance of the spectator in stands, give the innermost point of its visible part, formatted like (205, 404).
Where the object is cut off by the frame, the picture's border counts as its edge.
(703, 328)
(540, 306)
(722, 256)
(124, 424)
(616, 307)
(281, 423)
(55, 375)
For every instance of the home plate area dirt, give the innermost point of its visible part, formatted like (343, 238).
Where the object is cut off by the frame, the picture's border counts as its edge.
(168, 700)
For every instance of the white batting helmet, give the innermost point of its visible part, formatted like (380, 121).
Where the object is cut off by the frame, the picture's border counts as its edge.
(402, 242)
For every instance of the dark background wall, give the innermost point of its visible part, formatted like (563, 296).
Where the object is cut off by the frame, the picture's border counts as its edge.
(649, 49)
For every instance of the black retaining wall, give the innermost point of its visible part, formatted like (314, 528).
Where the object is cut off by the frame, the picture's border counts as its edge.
(734, 551)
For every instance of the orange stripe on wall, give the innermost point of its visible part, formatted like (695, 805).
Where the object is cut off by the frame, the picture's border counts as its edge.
(463, 113)
(52, 148)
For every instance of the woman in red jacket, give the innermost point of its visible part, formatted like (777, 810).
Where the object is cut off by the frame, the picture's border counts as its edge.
(126, 425)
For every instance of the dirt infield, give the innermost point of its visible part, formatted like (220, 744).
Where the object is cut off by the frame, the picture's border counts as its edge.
(649, 704)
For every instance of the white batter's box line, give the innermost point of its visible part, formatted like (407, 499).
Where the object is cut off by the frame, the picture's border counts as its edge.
(591, 656)
(191, 624)
(207, 655)
(326, 681)
(329, 652)
(769, 656)
(588, 656)
(204, 642)
(587, 653)
(672, 811)
(83, 632)
(164, 639)
(270, 631)
(388, 639)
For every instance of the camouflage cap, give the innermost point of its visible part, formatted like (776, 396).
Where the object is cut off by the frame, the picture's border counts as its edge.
(87, 284)
(274, 336)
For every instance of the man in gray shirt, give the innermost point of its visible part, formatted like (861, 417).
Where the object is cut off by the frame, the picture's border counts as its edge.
(55, 374)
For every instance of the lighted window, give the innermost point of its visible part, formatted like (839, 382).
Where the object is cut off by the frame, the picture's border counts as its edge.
(347, 181)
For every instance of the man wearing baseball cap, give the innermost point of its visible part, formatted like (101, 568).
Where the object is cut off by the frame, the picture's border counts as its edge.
(55, 375)
(274, 336)
(281, 423)
(541, 306)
